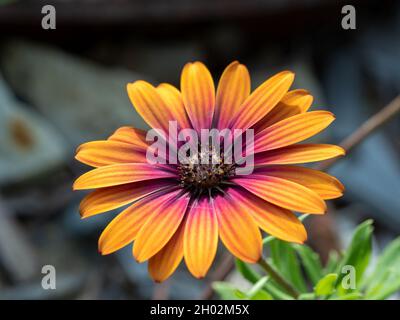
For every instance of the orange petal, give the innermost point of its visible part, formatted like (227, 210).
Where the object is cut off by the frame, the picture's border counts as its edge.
(118, 174)
(198, 94)
(238, 230)
(157, 231)
(262, 100)
(233, 89)
(110, 198)
(292, 130)
(300, 153)
(173, 99)
(201, 238)
(130, 135)
(124, 228)
(103, 153)
(165, 262)
(149, 104)
(294, 102)
(299, 99)
(325, 185)
(278, 222)
(283, 193)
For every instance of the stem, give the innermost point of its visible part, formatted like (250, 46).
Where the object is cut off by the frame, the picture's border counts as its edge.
(278, 278)
(366, 129)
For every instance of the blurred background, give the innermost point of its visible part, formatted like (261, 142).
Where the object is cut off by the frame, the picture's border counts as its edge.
(60, 88)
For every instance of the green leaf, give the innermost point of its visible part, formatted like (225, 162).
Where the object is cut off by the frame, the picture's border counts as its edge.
(257, 292)
(326, 285)
(268, 240)
(349, 296)
(390, 286)
(359, 251)
(285, 260)
(247, 272)
(306, 296)
(276, 292)
(385, 279)
(311, 262)
(259, 284)
(227, 291)
(253, 276)
(303, 217)
(262, 295)
(333, 262)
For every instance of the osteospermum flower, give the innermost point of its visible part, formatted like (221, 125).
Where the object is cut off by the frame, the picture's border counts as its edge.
(178, 211)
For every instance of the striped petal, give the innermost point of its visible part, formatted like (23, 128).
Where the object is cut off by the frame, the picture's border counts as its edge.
(198, 94)
(173, 99)
(158, 230)
(103, 153)
(132, 136)
(292, 130)
(325, 185)
(124, 228)
(238, 230)
(149, 104)
(165, 262)
(262, 100)
(201, 238)
(278, 222)
(118, 174)
(109, 198)
(300, 153)
(294, 102)
(233, 89)
(283, 193)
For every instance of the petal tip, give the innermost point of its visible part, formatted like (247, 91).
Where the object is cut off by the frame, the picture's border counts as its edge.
(300, 236)
(104, 253)
(253, 257)
(81, 212)
(198, 276)
(84, 213)
(330, 114)
(187, 65)
(138, 256)
(302, 240)
(79, 148)
(101, 248)
(288, 73)
(75, 186)
(252, 260)
(198, 63)
(129, 86)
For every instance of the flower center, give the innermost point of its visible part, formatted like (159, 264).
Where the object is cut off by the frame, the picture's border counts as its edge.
(200, 177)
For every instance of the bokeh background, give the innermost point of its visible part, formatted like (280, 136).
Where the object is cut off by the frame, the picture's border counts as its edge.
(60, 88)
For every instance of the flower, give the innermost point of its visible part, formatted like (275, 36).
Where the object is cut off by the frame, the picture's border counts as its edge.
(180, 210)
